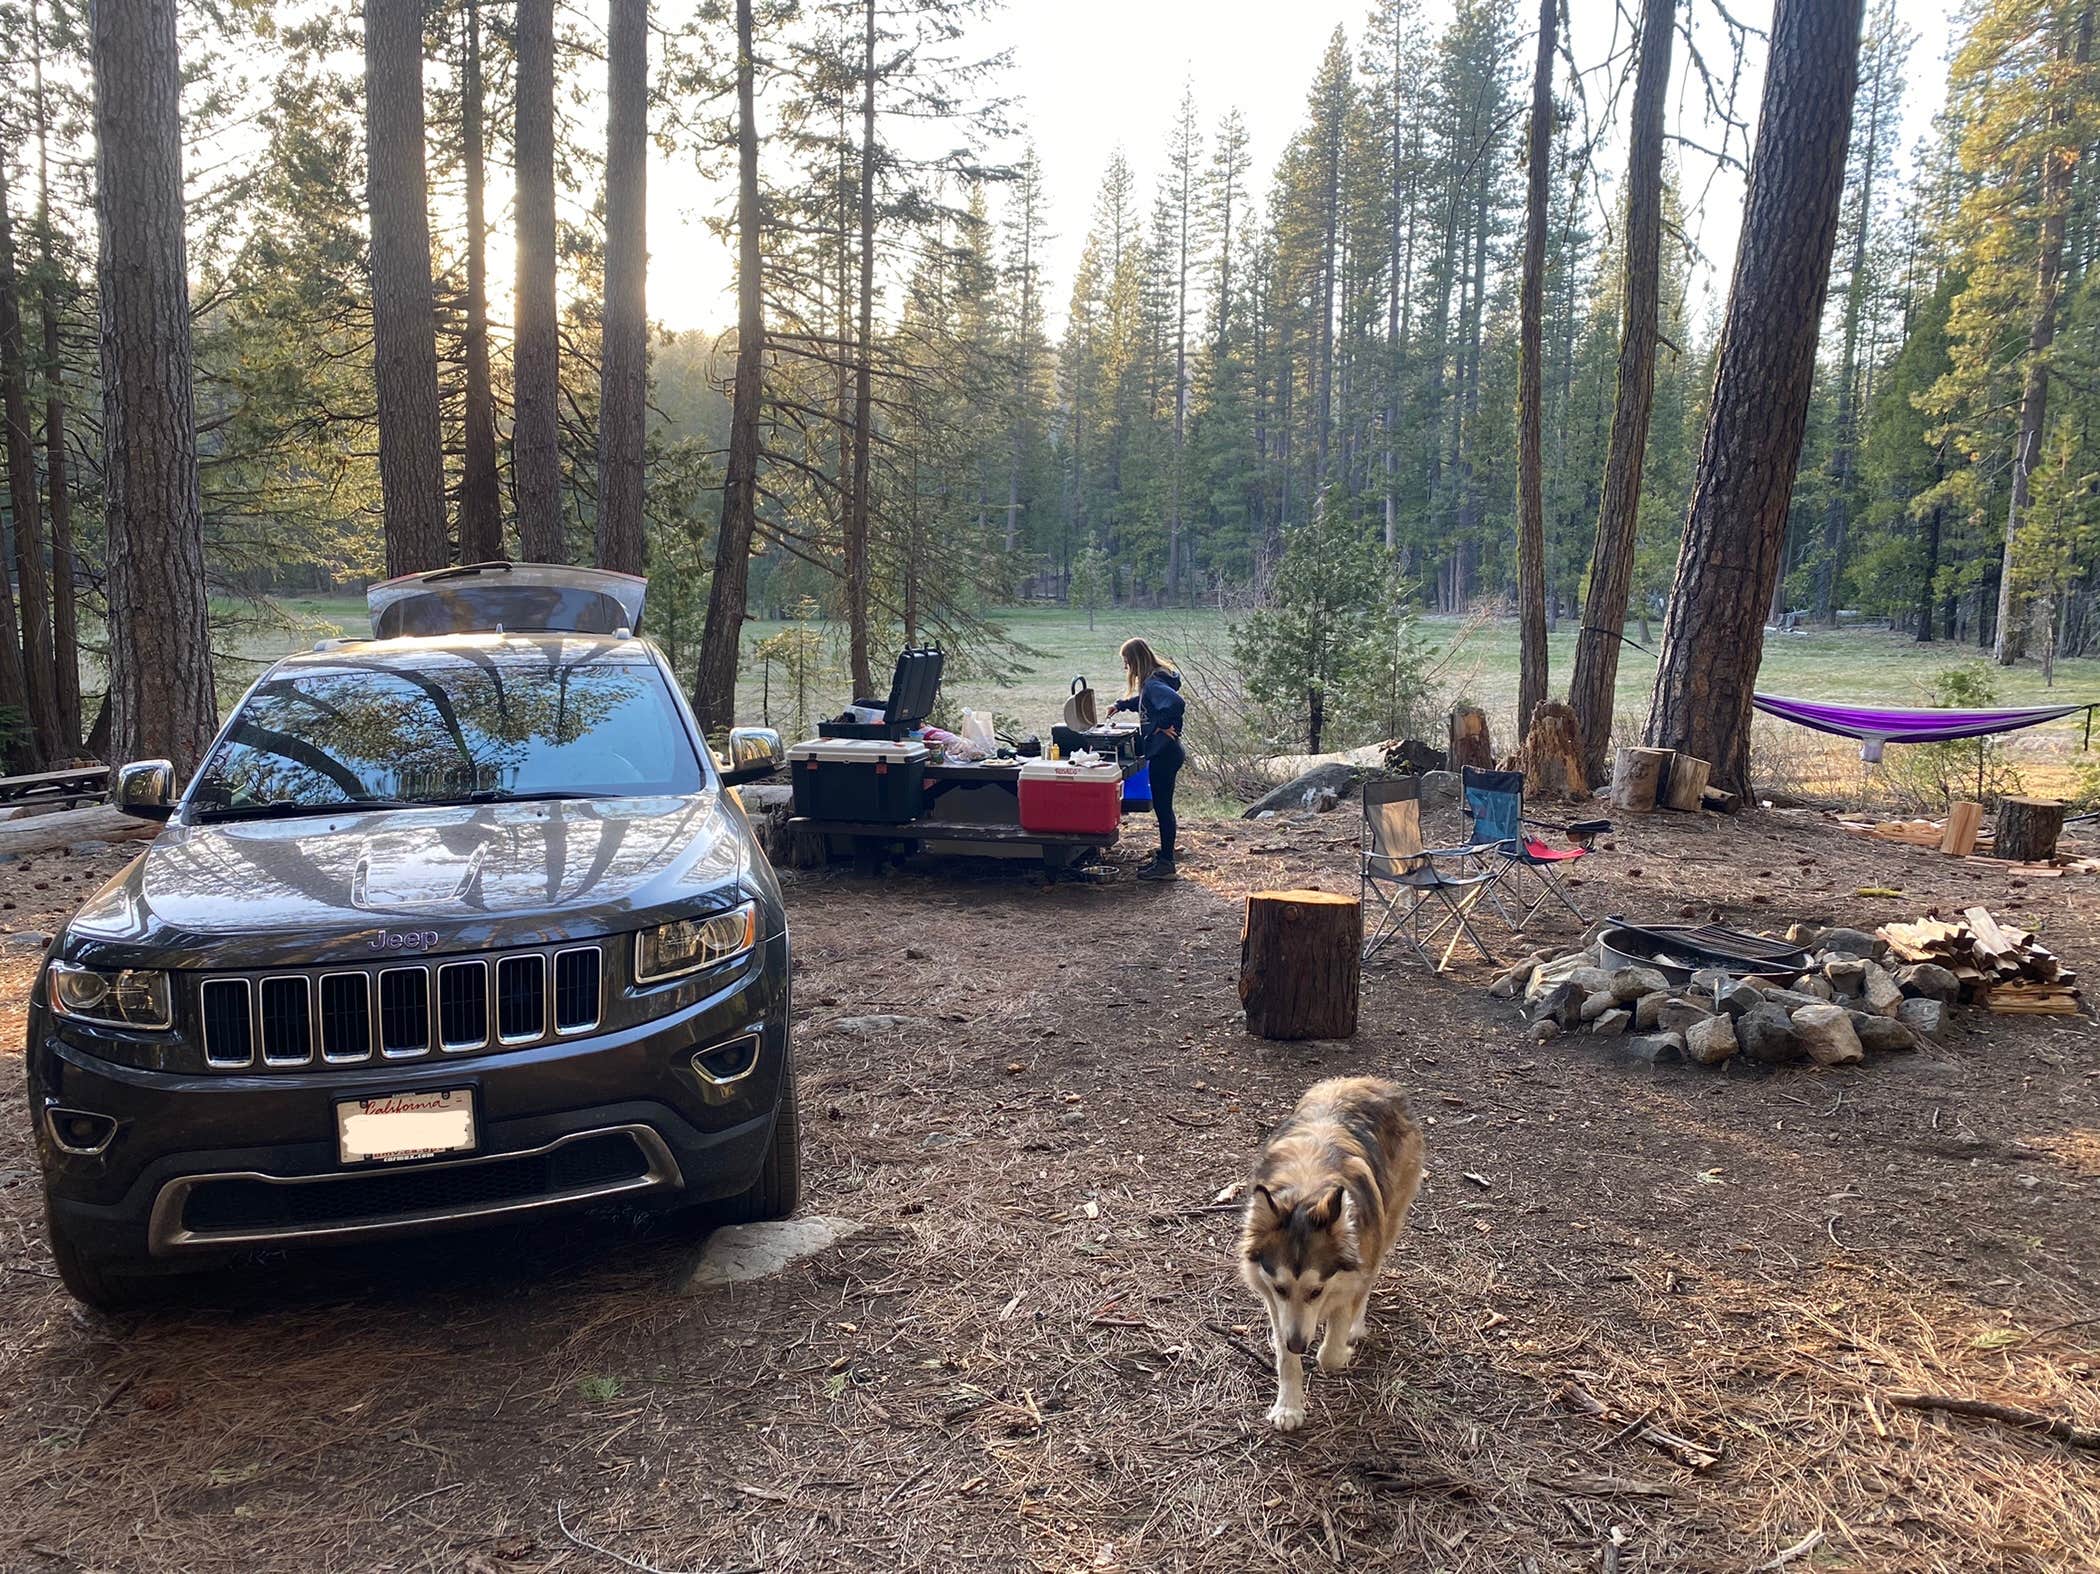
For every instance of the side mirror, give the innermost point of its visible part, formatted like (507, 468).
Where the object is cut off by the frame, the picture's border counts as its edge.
(146, 788)
(754, 753)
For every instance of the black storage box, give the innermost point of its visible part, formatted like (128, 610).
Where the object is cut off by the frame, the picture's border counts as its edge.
(914, 687)
(859, 779)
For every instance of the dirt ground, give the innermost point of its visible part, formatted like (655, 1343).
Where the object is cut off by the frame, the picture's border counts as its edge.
(1037, 1356)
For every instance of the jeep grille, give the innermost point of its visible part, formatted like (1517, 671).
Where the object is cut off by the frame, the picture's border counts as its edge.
(404, 1011)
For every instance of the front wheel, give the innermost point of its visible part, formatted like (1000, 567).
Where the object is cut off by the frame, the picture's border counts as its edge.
(91, 1280)
(778, 1190)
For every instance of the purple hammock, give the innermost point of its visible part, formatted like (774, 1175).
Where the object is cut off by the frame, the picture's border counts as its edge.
(1877, 725)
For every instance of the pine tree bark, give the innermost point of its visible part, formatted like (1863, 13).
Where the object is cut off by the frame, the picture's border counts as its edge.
(535, 431)
(856, 518)
(624, 357)
(404, 316)
(721, 640)
(480, 489)
(161, 701)
(1713, 636)
(1531, 495)
(1592, 689)
(2059, 165)
(40, 677)
(65, 617)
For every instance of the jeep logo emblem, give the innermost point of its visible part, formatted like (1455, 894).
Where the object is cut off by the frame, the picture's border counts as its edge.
(404, 940)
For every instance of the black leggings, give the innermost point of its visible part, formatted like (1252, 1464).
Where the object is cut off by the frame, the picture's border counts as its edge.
(1165, 766)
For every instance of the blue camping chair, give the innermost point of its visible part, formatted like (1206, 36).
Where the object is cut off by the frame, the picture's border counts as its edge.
(1402, 874)
(1502, 847)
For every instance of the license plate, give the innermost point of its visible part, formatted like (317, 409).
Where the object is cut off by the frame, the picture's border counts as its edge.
(398, 1126)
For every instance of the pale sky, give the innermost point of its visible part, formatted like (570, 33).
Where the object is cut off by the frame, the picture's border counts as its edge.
(1091, 75)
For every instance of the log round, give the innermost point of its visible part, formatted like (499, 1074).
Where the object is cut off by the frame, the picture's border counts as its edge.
(1636, 777)
(1301, 963)
(1686, 792)
(2028, 829)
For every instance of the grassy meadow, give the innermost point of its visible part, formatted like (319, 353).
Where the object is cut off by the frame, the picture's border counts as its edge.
(1027, 682)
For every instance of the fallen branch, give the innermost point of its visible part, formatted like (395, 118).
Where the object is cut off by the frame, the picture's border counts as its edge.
(2054, 1427)
(1801, 1548)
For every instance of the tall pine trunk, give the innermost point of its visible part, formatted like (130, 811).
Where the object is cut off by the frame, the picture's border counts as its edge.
(404, 316)
(65, 616)
(25, 503)
(480, 490)
(856, 542)
(723, 636)
(1592, 688)
(1531, 498)
(2060, 163)
(160, 680)
(624, 357)
(535, 431)
(1713, 634)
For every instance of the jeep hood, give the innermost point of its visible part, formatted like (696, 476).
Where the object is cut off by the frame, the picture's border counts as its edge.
(256, 893)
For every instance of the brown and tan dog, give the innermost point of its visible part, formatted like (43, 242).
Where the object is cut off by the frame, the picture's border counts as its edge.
(1331, 1190)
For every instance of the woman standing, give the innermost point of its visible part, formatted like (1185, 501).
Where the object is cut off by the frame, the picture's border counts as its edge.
(1155, 694)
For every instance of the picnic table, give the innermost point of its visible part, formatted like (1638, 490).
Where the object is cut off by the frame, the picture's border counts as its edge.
(969, 808)
(74, 784)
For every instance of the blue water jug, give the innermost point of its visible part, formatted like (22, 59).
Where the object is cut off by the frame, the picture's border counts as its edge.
(1137, 791)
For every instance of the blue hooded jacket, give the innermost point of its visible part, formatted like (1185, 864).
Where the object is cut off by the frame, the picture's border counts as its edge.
(1159, 706)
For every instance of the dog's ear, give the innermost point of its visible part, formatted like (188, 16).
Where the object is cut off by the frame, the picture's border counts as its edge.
(1262, 1199)
(1323, 1213)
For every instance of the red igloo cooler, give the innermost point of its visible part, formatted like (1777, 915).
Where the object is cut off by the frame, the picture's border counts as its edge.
(1083, 799)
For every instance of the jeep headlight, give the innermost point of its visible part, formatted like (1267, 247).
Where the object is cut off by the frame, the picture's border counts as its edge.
(129, 997)
(686, 945)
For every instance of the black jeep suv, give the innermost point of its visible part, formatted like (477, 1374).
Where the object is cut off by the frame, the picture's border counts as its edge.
(452, 923)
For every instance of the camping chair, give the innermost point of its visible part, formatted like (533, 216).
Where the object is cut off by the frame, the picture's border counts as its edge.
(1402, 874)
(1502, 846)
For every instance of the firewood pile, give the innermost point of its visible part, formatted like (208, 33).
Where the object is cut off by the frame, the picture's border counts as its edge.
(1999, 968)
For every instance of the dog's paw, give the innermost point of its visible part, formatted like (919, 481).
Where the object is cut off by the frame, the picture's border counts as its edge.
(1286, 1417)
(1336, 1354)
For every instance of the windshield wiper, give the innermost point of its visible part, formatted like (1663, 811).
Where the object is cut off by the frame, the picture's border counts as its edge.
(545, 795)
(284, 809)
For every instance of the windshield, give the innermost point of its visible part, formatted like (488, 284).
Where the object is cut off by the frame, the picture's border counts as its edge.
(458, 731)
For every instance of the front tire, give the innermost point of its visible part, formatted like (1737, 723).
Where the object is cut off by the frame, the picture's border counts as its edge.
(91, 1280)
(778, 1190)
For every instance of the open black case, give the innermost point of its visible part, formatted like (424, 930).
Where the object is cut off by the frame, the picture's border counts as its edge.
(913, 690)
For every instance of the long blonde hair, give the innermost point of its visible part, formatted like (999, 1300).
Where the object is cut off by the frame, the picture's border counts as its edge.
(1140, 662)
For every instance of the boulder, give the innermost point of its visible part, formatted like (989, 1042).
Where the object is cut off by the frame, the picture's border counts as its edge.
(1847, 974)
(1766, 1034)
(1658, 1049)
(1852, 942)
(1789, 1000)
(1592, 981)
(1816, 987)
(1710, 1041)
(1825, 1034)
(1630, 983)
(1880, 991)
(1738, 997)
(26, 940)
(1545, 1031)
(1439, 787)
(1676, 1014)
(1926, 1018)
(1648, 1009)
(1928, 981)
(740, 1252)
(1884, 1035)
(1331, 782)
(1594, 1006)
(1612, 1023)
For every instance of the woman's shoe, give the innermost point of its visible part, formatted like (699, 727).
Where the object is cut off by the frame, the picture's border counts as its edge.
(1159, 869)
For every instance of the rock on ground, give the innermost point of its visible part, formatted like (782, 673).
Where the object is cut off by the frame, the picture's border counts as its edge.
(1825, 1033)
(1766, 1034)
(1882, 994)
(1928, 980)
(870, 1026)
(1883, 1035)
(1925, 1017)
(1710, 1041)
(741, 1252)
(1628, 984)
(1658, 1049)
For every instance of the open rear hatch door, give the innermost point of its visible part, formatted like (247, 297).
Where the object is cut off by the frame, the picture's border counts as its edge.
(487, 598)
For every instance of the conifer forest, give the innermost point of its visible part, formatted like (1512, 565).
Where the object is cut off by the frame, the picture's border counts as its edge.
(1446, 333)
